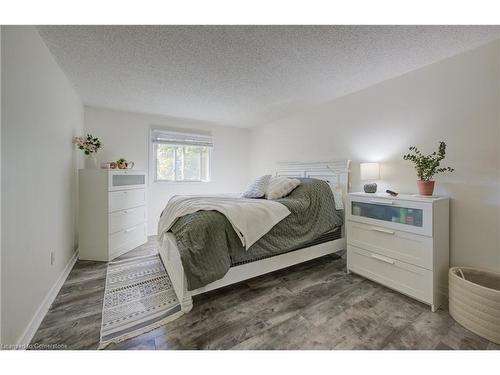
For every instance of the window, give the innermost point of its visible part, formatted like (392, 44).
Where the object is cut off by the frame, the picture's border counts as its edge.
(181, 156)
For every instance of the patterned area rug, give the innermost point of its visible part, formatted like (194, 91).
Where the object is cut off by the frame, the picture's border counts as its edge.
(138, 298)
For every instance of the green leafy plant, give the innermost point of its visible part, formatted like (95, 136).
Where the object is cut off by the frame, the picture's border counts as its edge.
(428, 165)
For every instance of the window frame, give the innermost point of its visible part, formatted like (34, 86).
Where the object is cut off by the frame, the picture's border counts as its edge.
(153, 157)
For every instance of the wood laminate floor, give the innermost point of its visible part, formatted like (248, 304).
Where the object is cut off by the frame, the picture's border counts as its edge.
(314, 305)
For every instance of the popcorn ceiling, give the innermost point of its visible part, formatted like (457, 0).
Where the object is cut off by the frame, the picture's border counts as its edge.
(243, 75)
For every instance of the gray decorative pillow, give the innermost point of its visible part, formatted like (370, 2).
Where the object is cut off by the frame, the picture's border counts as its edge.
(257, 188)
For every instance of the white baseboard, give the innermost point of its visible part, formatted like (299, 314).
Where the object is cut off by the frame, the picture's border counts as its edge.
(42, 310)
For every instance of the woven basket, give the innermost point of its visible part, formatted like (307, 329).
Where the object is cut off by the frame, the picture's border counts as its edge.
(475, 301)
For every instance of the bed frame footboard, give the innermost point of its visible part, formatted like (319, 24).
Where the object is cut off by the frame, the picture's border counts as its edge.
(171, 259)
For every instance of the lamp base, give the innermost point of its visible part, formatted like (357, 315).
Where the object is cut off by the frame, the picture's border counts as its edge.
(370, 188)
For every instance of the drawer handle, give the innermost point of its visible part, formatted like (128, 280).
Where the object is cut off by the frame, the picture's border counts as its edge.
(383, 259)
(383, 230)
(128, 211)
(129, 230)
(381, 201)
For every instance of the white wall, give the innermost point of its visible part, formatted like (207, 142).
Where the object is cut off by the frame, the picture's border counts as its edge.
(40, 114)
(126, 134)
(456, 100)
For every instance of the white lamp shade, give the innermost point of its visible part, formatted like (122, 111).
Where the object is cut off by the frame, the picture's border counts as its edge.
(370, 171)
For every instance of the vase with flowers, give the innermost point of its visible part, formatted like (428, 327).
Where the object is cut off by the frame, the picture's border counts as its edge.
(89, 145)
(427, 166)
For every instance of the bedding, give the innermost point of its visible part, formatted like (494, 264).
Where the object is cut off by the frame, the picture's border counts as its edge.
(337, 196)
(334, 234)
(208, 244)
(250, 218)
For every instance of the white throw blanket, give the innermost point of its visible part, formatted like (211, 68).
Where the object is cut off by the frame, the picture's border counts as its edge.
(250, 218)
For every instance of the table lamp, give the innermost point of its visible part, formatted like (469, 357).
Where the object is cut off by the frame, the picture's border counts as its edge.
(370, 172)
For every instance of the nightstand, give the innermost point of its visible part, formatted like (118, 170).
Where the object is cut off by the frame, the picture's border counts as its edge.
(401, 242)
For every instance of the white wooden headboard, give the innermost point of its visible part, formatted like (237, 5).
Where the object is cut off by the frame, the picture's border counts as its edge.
(335, 172)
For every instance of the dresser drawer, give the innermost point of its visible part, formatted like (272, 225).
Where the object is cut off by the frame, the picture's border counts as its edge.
(126, 179)
(407, 247)
(121, 200)
(123, 219)
(126, 239)
(406, 278)
(406, 216)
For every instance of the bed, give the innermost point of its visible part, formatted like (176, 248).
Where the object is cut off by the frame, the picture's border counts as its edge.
(257, 261)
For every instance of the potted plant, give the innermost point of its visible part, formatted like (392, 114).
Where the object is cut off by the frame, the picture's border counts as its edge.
(427, 166)
(89, 145)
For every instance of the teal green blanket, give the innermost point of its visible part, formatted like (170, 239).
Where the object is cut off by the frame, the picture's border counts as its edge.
(208, 244)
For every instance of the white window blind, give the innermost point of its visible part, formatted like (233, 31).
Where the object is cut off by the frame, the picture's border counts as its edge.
(176, 138)
(181, 156)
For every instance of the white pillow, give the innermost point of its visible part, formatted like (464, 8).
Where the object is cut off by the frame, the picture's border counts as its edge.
(257, 188)
(280, 187)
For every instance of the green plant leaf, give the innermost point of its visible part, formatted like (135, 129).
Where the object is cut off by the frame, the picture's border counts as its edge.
(427, 166)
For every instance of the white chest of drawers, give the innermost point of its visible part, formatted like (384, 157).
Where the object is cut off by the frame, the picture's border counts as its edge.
(112, 212)
(401, 242)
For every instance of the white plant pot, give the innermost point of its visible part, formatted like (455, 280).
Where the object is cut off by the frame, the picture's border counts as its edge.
(90, 162)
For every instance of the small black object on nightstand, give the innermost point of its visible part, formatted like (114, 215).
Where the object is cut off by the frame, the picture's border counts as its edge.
(390, 192)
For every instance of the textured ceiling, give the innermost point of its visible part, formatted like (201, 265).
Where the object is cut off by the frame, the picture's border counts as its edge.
(243, 75)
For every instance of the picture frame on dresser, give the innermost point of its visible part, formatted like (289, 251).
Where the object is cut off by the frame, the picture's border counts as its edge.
(112, 212)
(401, 242)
